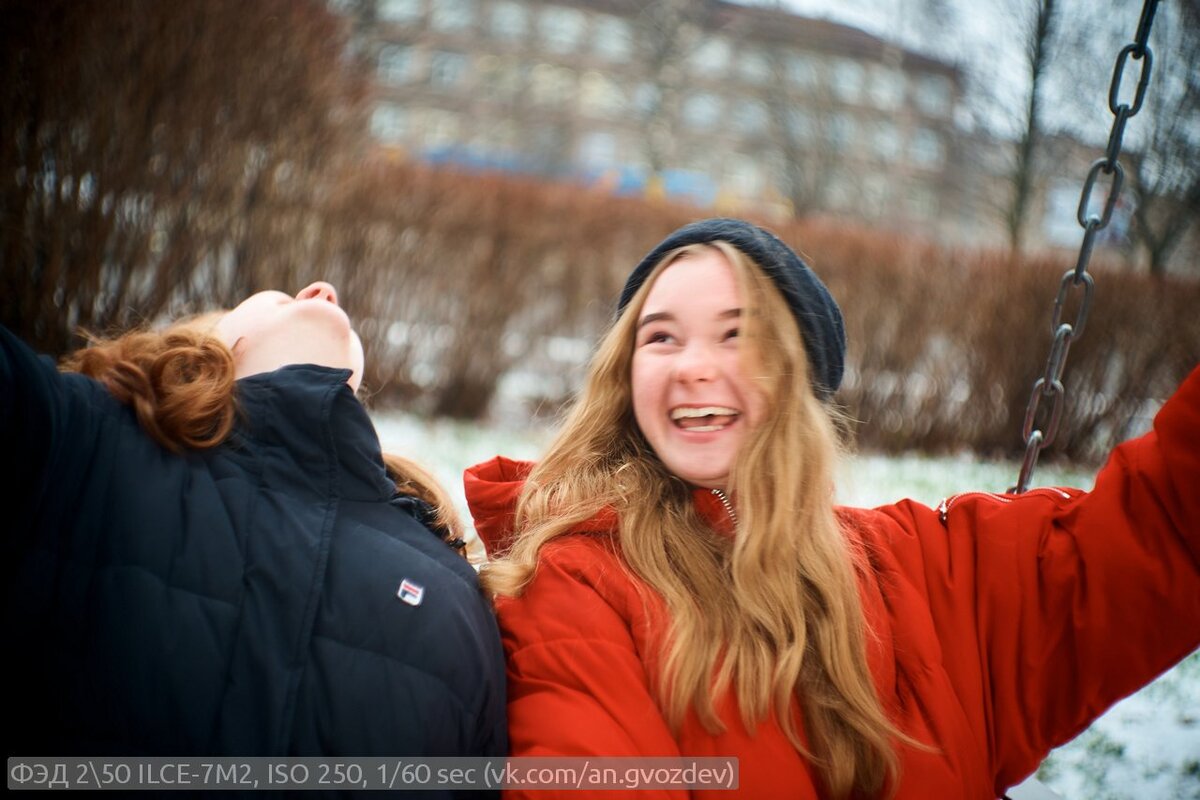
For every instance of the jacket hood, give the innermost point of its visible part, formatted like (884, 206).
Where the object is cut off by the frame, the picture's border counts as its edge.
(494, 487)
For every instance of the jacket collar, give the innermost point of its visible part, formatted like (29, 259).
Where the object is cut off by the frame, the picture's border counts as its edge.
(714, 510)
(310, 412)
(493, 488)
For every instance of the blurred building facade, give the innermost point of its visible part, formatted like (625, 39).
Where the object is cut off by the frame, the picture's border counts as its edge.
(732, 107)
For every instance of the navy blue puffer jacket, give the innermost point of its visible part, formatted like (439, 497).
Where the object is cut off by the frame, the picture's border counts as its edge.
(238, 601)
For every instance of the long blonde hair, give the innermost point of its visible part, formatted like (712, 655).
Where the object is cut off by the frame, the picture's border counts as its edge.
(773, 613)
(181, 384)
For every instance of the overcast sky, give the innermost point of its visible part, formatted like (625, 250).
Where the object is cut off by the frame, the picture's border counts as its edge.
(984, 37)
(968, 32)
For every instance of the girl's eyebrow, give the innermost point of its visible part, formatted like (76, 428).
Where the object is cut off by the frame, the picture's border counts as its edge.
(660, 316)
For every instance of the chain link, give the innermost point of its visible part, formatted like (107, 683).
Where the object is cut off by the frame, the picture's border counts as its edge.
(1050, 385)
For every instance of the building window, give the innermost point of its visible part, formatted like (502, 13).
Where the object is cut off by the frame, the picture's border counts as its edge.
(647, 98)
(743, 175)
(402, 12)
(598, 150)
(500, 77)
(712, 56)
(874, 191)
(613, 38)
(886, 88)
(885, 140)
(750, 117)
(802, 71)
(702, 110)
(842, 131)
(600, 95)
(440, 128)
(840, 192)
(550, 148)
(754, 67)
(389, 123)
(848, 79)
(933, 95)
(510, 21)
(395, 64)
(499, 138)
(800, 126)
(1062, 203)
(452, 16)
(562, 28)
(447, 70)
(926, 148)
(921, 201)
(551, 85)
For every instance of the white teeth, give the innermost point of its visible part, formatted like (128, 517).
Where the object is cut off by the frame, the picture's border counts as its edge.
(706, 411)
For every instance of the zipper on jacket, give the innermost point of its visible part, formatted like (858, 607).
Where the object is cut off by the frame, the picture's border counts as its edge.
(943, 508)
(728, 505)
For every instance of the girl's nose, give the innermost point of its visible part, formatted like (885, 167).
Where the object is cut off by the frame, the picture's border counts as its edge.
(319, 290)
(694, 363)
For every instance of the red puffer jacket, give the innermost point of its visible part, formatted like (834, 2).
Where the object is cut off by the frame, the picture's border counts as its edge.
(1002, 625)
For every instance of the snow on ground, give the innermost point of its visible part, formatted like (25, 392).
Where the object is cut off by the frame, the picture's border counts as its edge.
(1146, 747)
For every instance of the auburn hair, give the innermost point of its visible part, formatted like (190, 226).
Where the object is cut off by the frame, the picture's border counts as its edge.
(772, 613)
(181, 384)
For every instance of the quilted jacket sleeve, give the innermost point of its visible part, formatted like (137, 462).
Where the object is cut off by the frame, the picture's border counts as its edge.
(576, 684)
(42, 412)
(1053, 605)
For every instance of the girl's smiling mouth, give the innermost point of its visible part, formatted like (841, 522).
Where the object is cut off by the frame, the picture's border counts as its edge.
(703, 419)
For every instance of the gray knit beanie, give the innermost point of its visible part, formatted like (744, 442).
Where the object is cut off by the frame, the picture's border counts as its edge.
(815, 309)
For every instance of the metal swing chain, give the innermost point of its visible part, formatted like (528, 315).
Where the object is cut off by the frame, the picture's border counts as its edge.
(1050, 385)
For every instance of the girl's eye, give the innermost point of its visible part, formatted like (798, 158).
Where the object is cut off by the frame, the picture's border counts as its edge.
(657, 337)
(732, 333)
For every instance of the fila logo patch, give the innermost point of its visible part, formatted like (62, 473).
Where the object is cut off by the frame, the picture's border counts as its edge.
(411, 593)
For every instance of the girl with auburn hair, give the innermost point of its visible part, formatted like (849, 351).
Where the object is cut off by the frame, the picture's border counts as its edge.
(181, 384)
(674, 579)
(212, 556)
